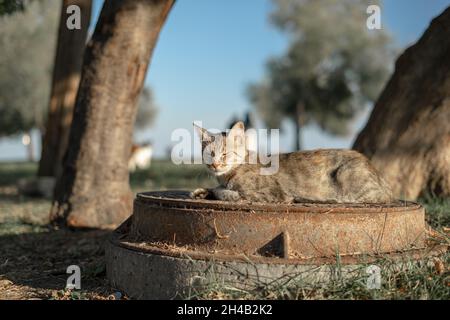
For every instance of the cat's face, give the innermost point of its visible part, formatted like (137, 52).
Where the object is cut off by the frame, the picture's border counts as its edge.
(221, 151)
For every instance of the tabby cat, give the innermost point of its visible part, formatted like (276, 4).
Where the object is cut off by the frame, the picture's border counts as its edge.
(328, 176)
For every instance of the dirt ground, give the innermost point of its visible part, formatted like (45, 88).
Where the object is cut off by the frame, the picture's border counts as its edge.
(34, 257)
(34, 265)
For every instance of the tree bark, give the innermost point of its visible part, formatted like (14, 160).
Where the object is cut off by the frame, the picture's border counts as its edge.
(66, 78)
(94, 189)
(407, 136)
(297, 137)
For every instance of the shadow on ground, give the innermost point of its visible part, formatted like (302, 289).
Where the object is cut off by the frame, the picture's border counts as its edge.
(33, 265)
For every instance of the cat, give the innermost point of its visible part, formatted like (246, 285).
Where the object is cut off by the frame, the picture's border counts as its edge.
(324, 175)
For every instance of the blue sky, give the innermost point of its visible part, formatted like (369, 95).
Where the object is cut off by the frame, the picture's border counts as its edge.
(210, 50)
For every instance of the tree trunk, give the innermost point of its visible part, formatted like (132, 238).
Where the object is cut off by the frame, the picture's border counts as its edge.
(299, 121)
(408, 134)
(94, 190)
(298, 139)
(66, 78)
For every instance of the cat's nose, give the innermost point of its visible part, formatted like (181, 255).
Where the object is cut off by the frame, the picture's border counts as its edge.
(215, 165)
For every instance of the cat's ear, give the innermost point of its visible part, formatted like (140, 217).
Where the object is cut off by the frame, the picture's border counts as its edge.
(237, 133)
(202, 133)
(238, 126)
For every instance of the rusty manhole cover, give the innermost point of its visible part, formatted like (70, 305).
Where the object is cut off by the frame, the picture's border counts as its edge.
(276, 230)
(172, 245)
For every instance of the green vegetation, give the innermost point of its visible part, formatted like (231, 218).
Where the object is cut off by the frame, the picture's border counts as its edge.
(28, 270)
(20, 214)
(10, 6)
(164, 175)
(26, 74)
(417, 282)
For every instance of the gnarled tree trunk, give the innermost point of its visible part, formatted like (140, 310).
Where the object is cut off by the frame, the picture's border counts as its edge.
(94, 189)
(408, 134)
(66, 78)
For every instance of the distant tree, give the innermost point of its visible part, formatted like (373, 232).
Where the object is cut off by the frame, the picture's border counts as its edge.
(147, 110)
(333, 67)
(27, 41)
(10, 6)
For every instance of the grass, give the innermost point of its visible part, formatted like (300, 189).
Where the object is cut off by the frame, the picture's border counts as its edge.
(34, 256)
(438, 211)
(164, 175)
(418, 281)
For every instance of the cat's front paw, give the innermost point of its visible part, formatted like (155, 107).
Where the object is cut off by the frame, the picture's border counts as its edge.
(289, 200)
(200, 193)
